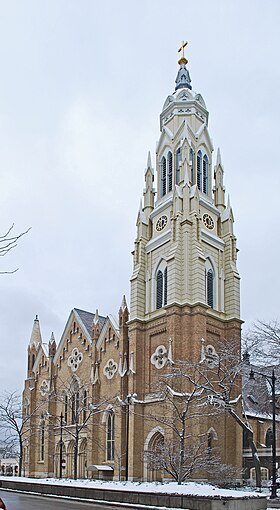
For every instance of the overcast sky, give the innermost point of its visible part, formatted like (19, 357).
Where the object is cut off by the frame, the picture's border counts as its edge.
(82, 84)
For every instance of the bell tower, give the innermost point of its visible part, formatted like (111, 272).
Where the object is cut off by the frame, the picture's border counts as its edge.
(185, 283)
(185, 249)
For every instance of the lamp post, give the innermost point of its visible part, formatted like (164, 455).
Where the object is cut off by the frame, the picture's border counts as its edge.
(60, 447)
(128, 401)
(271, 380)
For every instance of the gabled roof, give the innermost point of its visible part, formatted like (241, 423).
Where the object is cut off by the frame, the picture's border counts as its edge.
(87, 319)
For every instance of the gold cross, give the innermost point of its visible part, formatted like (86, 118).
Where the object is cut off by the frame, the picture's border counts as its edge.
(182, 59)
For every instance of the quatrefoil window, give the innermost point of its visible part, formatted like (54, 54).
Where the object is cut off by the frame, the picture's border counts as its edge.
(44, 387)
(110, 368)
(75, 359)
(159, 358)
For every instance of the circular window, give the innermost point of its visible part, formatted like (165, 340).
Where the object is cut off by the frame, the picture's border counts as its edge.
(208, 221)
(161, 223)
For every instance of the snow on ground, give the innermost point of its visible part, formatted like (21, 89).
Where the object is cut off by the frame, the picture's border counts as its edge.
(189, 488)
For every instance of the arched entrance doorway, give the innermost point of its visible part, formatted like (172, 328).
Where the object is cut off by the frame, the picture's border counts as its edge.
(154, 445)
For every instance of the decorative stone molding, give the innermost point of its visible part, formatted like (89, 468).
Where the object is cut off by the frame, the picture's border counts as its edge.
(209, 355)
(159, 358)
(110, 368)
(44, 387)
(75, 359)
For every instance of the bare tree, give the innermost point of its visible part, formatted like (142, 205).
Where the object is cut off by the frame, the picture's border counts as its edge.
(15, 423)
(8, 242)
(76, 412)
(210, 387)
(181, 404)
(263, 342)
(220, 377)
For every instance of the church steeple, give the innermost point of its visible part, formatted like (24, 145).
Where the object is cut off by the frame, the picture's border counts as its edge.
(183, 79)
(34, 344)
(187, 232)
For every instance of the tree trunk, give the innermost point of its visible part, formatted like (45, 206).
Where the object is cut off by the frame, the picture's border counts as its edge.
(182, 451)
(255, 457)
(76, 445)
(20, 456)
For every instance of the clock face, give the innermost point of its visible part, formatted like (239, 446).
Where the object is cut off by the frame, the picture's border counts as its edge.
(161, 223)
(208, 221)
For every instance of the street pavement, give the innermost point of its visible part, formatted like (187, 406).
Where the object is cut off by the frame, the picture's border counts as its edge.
(18, 501)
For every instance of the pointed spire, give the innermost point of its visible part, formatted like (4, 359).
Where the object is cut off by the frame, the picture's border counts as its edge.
(219, 159)
(228, 203)
(52, 339)
(96, 317)
(183, 79)
(36, 337)
(124, 303)
(149, 161)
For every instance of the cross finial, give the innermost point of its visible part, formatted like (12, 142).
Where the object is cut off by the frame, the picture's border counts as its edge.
(182, 59)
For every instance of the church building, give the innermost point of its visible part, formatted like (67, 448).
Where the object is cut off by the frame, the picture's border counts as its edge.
(91, 402)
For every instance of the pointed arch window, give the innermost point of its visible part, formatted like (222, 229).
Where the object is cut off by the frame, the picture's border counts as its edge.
(198, 169)
(161, 288)
(209, 283)
(169, 165)
(178, 160)
(210, 287)
(85, 406)
(111, 436)
(192, 165)
(65, 408)
(163, 176)
(205, 174)
(42, 439)
(269, 438)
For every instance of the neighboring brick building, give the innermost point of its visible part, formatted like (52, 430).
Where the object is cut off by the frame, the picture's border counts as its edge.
(184, 288)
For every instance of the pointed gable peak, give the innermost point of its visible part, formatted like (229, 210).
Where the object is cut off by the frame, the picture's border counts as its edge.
(36, 337)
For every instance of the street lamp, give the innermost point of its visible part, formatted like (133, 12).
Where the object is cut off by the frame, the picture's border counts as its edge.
(271, 380)
(60, 446)
(128, 401)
